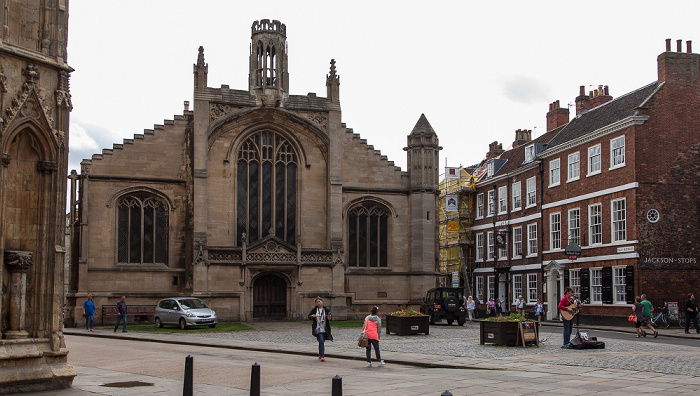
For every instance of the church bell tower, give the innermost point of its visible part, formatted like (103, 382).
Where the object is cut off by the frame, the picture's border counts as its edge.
(268, 78)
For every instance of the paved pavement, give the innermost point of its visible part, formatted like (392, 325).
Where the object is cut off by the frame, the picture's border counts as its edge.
(450, 358)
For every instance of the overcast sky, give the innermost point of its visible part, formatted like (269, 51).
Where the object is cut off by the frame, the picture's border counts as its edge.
(477, 70)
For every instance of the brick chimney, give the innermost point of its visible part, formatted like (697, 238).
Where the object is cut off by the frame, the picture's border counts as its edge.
(594, 99)
(495, 149)
(678, 67)
(523, 136)
(556, 116)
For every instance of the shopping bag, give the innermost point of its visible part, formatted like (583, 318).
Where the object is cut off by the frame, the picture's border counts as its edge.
(363, 340)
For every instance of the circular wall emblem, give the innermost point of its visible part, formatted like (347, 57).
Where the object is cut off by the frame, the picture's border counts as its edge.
(653, 215)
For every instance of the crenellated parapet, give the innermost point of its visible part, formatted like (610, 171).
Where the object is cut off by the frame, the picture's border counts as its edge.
(267, 26)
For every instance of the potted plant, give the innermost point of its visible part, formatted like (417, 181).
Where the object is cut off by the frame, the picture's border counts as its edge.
(407, 321)
(501, 330)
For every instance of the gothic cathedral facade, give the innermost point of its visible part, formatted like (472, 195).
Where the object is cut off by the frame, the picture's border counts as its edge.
(257, 201)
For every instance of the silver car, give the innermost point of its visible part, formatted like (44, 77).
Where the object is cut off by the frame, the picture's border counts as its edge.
(184, 312)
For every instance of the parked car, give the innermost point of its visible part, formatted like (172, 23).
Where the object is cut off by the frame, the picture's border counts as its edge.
(444, 303)
(184, 312)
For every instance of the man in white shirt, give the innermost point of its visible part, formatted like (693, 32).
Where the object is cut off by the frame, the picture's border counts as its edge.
(520, 305)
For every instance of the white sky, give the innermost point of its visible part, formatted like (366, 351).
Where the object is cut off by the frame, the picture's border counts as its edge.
(477, 70)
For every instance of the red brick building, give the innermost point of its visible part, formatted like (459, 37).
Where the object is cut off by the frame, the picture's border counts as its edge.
(620, 180)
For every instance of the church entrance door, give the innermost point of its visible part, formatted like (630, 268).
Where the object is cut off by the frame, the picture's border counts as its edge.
(269, 298)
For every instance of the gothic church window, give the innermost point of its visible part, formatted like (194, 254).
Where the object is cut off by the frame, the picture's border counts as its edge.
(368, 225)
(142, 224)
(266, 188)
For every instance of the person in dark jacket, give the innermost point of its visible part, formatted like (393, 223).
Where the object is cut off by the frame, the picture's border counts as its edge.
(121, 314)
(691, 313)
(320, 317)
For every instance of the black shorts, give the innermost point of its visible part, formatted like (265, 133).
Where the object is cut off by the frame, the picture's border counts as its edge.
(639, 323)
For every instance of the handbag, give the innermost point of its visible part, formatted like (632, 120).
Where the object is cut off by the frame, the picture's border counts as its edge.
(317, 330)
(632, 318)
(363, 340)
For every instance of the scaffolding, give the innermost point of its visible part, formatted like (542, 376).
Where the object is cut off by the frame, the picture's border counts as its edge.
(455, 235)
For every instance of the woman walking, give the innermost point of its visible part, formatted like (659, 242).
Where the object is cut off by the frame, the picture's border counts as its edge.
(373, 327)
(89, 313)
(638, 310)
(491, 307)
(320, 317)
(470, 308)
(539, 310)
(499, 308)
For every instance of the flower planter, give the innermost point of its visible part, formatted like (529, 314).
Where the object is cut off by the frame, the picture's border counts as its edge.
(407, 325)
(499, 333)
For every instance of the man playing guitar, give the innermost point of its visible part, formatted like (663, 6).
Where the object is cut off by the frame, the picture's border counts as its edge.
(566, 305)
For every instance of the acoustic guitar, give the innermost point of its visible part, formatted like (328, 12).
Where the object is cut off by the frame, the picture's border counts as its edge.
(575, 308)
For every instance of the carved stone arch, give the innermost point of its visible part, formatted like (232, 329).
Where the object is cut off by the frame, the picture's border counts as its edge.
(274, 118)
(42, 141)
(130, 190)
(287, 277)
(368, 198)
(30, 107)
(238, 140)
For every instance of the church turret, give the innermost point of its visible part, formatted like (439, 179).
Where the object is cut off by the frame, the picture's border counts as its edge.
(268, 73)
(200, 71)
(422, 156)
(333, 84)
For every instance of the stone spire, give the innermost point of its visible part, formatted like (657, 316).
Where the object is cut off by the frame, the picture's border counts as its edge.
(422, 156)
(200, 71)
(333, 84)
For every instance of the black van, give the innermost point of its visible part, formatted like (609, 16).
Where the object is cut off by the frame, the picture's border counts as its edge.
(444, 303)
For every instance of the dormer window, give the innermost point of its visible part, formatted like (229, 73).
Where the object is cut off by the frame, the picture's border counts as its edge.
(530, 153)
(489, 169)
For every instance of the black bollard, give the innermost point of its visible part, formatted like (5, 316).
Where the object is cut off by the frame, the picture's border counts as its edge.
(187, 388)
(446, 393)
(255, 380)
(337, 386)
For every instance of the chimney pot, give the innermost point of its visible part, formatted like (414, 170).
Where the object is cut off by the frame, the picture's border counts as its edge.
(668, 45)
(582, 90)
(606, 90)
(679, 45)
(688, 46)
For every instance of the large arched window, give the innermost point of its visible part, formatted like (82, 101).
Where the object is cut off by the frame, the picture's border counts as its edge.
(142, 229)
(367, 235)
(266, 187)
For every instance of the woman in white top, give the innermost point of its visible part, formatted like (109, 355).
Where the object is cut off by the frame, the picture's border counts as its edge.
(320, 326)
(470, 308)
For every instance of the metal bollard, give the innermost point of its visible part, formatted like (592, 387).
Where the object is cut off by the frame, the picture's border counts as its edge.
(446, 393)
(337, 386)
(187, 388)
(255, 380)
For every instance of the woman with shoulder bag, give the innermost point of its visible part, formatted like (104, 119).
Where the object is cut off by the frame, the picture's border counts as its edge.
(320, 317)
(373, 326)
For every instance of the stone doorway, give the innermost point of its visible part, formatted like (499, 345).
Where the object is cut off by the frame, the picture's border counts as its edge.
(269, 298)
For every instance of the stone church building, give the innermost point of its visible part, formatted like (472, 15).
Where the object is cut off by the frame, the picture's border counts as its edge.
(257, 201)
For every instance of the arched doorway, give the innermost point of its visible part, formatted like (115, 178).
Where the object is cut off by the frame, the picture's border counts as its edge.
(269, 298)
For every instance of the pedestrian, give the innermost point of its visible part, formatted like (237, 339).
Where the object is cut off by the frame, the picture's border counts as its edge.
(539, 310)
(477, 307)
(121, 314)
(320, 326)
(499, 308)
(373, 327)
(520, 305)
(566, 304)
(491, 307)
(691, 313)
(638, 310)
(89, 313)
(470, 308)
(648, 309)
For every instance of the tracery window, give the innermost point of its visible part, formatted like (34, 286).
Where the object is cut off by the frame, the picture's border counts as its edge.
(142, 229)
(266, 188)
(368, 225)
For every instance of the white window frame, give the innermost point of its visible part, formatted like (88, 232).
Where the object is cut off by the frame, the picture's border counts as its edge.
(531, 288)
(532, 240)
(489, 246)
(594, 160)
(517, 287)
(490, 287)
(618, 220)
(596, 285)
(480, 288)
(489, 169)
(554, 172)
(502, 200)
(619, 285)
(480, 206)
(617, 152)
(574, 226)
(575, 281)
(531, 185)
(574, 167)
(480, 247)
(517, 242)
(555, 231)
(530, 153)
(595, 224)
(515, 192)
(490, 203)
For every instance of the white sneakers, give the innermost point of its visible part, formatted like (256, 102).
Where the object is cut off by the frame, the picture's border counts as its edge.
(369, 364)
(380, 363)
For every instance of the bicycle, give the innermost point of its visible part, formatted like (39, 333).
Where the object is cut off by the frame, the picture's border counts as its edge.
(660, 320)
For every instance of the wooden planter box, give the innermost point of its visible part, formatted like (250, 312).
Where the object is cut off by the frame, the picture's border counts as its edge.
(406, 325)
(499, 333)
